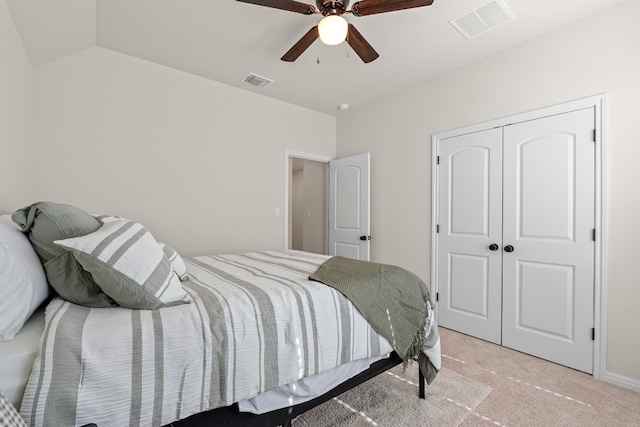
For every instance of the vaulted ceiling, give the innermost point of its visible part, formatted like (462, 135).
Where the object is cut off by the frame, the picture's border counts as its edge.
(223, 40)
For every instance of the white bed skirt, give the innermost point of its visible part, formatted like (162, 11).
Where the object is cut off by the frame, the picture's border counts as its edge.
(17, 356)
(305, 389)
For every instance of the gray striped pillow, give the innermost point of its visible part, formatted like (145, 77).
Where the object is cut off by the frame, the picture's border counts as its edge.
(176, 261)
(128, 265)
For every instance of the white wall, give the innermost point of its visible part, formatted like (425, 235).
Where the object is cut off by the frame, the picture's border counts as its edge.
(197, 162)
(17, 115)
(595, 55)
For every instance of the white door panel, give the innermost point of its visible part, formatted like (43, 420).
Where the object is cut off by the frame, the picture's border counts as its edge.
(469, 191)
(549, 289)
(469, 285)
(470, 220)
(540, 174)
(347, 189)
(349, 192)
(548, 279)
(347, 250)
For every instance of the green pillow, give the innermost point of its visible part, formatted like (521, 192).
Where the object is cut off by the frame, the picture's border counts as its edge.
(74, 283)
(44, 222)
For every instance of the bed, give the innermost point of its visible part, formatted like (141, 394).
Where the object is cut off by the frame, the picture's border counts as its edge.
(252, 341)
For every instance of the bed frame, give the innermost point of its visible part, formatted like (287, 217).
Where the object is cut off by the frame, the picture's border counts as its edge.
(231, 416)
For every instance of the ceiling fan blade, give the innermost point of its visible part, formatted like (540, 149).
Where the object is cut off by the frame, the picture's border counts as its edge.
(360, 45)
(290, 5)
(301, 45)
(371, 7)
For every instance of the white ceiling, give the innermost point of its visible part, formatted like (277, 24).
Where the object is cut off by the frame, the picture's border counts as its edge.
(223, 40)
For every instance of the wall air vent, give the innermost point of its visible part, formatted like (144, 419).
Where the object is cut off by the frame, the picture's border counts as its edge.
(256, 80)
(485, 18)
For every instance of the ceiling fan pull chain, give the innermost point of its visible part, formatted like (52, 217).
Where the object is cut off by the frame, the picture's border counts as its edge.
(318, 60)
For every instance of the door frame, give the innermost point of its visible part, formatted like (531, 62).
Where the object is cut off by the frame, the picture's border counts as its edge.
(599, 103)
(292, 154)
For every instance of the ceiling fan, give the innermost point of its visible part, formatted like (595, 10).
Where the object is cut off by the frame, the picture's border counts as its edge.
(333, 28)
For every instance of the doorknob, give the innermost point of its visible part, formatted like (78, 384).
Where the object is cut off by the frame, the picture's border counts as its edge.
(493, 247)
(365, 237)
(509, 248)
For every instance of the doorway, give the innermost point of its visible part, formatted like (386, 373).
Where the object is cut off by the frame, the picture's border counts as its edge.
(308, 206)
(347, 204)
(298, 157)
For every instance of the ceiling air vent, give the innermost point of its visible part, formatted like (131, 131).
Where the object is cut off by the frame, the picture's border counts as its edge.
(256, 80)
(485, 18)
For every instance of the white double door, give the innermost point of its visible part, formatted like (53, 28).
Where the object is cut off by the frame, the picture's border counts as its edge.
(515, 249)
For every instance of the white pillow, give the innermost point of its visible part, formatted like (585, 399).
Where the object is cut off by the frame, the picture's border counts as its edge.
(176, 260)
(128, 265)
(23, 284)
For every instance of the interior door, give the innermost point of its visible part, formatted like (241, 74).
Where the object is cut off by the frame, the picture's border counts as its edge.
(548, 276)
(349, 192)
(470, 222)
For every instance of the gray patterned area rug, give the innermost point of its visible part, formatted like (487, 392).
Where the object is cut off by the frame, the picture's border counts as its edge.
(391, 399)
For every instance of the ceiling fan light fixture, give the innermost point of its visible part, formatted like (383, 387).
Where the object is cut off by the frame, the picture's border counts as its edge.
(333, 29)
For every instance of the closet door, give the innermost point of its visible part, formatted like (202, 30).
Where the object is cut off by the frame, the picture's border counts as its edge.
(549, 217)
(470, 222)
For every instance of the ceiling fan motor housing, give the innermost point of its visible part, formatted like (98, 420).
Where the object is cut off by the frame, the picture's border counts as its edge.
(329, 7)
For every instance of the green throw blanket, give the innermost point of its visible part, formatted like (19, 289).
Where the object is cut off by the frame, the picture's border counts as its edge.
(393, 300)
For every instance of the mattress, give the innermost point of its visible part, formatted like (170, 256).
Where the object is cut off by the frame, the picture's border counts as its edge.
(17, 356)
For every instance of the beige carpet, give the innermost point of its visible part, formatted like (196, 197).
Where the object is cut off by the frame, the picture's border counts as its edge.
(391, 399)
(531, 392)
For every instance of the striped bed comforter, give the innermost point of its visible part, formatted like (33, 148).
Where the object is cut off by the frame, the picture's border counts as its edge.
(255, 322)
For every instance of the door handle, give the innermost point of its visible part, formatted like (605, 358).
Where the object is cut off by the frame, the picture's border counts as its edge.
(509, 248)
(493, 247)
(365, 237)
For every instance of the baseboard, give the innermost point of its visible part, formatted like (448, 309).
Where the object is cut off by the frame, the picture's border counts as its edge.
(622, 381)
